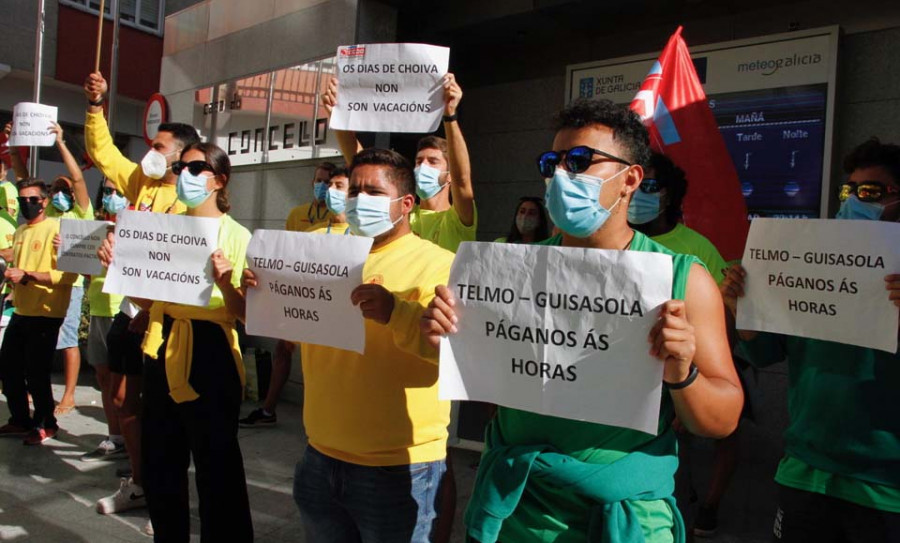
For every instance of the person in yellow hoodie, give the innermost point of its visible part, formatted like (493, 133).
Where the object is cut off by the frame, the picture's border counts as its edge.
(41, 297)
(377, 431)
(194, 376)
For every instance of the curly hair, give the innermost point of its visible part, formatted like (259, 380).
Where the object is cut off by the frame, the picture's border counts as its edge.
(628, 130)
(874, 153)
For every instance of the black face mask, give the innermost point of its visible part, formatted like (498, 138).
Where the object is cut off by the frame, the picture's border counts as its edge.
(30, 210)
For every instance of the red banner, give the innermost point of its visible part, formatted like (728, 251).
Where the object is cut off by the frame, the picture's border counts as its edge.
(672, 104)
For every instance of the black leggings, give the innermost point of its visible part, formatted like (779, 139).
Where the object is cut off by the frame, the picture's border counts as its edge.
(204, 429)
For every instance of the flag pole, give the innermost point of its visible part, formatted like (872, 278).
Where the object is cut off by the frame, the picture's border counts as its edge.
(99, 35)
(38, 74)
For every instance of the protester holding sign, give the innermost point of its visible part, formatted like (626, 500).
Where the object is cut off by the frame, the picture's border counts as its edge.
(41, 297)
(377, 450)
(194, 376)
(102, 308)
(306, 216)
(553, 479)
(440, 163)
(335, 198)
(838, 479)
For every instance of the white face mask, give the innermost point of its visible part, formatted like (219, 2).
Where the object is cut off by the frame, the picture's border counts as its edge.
(155, 164)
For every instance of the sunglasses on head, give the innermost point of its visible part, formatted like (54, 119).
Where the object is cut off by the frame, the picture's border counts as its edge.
(577, 159)
(33, 200)
(650, 186)
(196, 167)
(867, 191)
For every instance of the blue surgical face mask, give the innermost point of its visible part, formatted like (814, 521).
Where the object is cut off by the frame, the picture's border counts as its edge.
(370, 216)
(854, 209)
(573, 201)
(191, 189)
(428, 181)
(62, 201)
(644, 207)
(336, 200)
(113, 203)
(320, 189)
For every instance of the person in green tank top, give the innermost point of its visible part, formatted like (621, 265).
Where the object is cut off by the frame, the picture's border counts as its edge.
(544, 478)
(839, 479)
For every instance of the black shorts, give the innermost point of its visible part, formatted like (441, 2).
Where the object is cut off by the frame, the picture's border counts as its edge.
(125, 355)
(804, 516)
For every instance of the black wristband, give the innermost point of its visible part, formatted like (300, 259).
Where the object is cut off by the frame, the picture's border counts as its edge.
(451, 118)
(692, 376)
(98, 103)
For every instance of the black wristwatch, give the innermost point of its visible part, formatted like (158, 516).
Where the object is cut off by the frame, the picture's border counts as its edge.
(451, 118)
(692, 376)
(98, 103)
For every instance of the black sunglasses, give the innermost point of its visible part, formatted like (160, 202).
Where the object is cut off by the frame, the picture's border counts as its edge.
(194, 166)
(578, 159)
(109, 191)
(650, 186)
(33, 200)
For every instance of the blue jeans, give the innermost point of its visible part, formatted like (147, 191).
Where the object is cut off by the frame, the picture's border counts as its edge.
(347, 503)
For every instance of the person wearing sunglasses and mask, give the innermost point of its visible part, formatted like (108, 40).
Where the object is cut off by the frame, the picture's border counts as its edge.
(597, 162)
(446, 214)
(315, 213)
(194, 376)
(377, 450)
(839, 478)
(336, 200)
(41, 296)
(530, 223)
(150, 185)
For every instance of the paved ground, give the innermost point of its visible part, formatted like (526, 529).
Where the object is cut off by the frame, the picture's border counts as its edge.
(47, 493)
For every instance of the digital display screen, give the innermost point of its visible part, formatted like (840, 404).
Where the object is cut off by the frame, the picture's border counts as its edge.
(776, 138)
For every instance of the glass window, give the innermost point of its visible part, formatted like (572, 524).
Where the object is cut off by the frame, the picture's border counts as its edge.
(144, 15)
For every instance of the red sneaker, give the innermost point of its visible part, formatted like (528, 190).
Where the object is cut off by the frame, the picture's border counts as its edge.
(39, 435)
(11, 430)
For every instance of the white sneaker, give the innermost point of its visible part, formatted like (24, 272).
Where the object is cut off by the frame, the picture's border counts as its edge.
(148, 528)
(129, 496)
(106, 450)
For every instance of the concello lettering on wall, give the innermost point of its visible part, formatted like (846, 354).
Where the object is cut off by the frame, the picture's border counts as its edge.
(286, 136)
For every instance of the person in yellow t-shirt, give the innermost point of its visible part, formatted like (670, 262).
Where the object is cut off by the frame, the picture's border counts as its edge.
(309, 215)
(149, 186)
(335, 199)
(194, 375)
(377, 430)
(41, 297)
(445, 217)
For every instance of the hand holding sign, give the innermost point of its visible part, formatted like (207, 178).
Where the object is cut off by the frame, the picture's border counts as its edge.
(673, 342)
(439, 319)
(222, 268)
(375, 301)
(893, 286)
(30, 123)
(452, 94)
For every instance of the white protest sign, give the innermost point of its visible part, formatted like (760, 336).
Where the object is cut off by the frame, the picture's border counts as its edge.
(163, 257)
(305, 281)
(390, 87)
(30, 126)
(557, 330)
(80, 240)
(821, 279)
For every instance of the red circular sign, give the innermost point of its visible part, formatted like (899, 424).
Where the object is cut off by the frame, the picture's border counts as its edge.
(156, 113)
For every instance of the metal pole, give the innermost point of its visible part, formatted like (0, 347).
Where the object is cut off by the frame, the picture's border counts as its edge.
(113, 68)
(38, 73)
(272, 76)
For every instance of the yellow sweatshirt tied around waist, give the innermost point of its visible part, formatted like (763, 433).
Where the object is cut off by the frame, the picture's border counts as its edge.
(180, 348)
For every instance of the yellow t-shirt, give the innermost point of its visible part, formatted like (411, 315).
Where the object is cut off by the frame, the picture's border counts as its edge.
(7, 233)
(306, 216)
(381, 408)
(233, 240)
(100, 303)
(75, 213)
(144, 193)
(8, 198)
(443, 227)
(329, 228)
(33, 251)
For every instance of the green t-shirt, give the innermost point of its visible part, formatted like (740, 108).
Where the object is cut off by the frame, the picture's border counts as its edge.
(549, 514)
(688, 241)
(75, 213)
(442, 228)
(8, 199)
(100, 303)
(843, 439)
